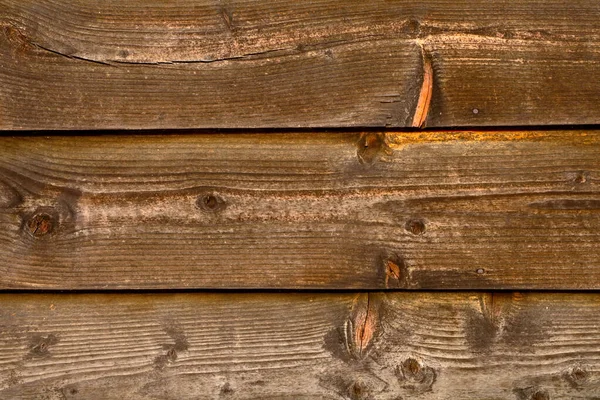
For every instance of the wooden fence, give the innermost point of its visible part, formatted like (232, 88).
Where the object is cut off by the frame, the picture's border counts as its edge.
(358, 200)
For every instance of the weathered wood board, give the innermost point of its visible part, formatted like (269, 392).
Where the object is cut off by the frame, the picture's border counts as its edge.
(300, 346)
(444, 210)
(76, 64)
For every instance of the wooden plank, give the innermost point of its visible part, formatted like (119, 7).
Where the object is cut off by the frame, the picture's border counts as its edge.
(441, 210)
(79, 64)
(300, 346)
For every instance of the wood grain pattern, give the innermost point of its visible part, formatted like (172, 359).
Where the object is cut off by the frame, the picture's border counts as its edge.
(76, 64)
(440, 210)
(301, 346)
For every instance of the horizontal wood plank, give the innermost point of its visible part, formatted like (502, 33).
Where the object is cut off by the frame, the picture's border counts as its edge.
(444, 210)
(301, 346)
(77, 64)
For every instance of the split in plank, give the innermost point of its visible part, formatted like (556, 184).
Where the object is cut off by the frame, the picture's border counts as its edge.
(301, 346)
(77, 64)
(445, 210)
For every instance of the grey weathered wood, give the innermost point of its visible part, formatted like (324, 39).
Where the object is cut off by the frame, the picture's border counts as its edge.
(440, 210)
(77, 64)
(301, 346)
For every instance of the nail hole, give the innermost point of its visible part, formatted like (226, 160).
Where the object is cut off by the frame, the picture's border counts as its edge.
(415, 226)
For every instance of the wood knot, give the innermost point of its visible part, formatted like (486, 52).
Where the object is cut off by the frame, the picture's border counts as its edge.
(415, 226)
(16, 37)
(397, 275)
(392, 273)
(360, 330)
(39, 347)
(371, 147)
(577, 377)
(540, 395)
(40, 224)
(581, 177)
(412, 27)
(532, 393)
(226, 390)
(415, 376)
(69, 392)
(358, 391)
(210, 202)
(172, 350)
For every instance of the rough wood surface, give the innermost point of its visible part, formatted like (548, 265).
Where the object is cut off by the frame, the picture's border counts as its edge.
(398, 210)
(300, 346)
(76, 64)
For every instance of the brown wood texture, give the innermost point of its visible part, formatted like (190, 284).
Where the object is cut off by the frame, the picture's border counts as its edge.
(443, 210)
(300, 346)
(76, 64)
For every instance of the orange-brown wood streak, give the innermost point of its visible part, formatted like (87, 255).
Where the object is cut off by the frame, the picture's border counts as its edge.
(425, 95)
